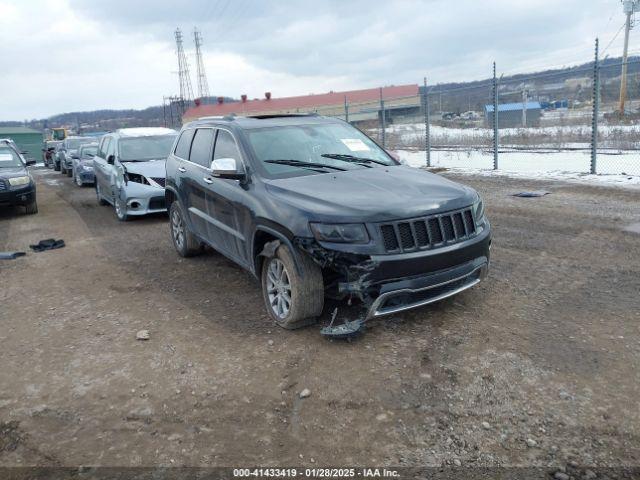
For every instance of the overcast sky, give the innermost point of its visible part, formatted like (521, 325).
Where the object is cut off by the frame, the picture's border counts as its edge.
(72, 55)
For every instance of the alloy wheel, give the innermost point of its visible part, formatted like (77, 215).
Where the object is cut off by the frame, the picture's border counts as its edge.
(177, 229)
(278, 288)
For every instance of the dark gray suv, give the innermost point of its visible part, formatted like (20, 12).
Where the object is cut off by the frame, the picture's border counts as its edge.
(313, 208)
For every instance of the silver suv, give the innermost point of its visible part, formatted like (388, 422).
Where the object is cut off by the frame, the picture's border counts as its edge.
(129, 169)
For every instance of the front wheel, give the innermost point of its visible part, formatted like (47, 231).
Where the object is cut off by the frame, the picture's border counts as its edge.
(185, 242)
(293, 299)
(77, 178)
(32, 208)
(120, 207)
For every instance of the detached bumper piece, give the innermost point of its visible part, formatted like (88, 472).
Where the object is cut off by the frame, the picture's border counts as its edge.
(412, 293)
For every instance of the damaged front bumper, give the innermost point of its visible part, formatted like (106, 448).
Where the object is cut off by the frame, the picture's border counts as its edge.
(392, 283)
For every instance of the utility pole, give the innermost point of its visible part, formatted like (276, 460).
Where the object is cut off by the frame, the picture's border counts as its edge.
(524, 107)
(384, 121)
(203, 85)
(629, 7)
(346, 110)
(427, 132)
(596, 105)
(495, 118)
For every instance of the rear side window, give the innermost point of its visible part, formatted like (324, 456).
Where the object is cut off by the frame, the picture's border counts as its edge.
(201, 147)
(226, 146)
(103, 147)
(184, 144)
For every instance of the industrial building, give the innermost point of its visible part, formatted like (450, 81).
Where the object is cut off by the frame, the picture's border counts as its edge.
(356, 105)
(27, 139)
(510, 115)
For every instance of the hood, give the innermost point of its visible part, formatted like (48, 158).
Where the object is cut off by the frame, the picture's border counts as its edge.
(152, 168)
(372, 194)
(13, 172)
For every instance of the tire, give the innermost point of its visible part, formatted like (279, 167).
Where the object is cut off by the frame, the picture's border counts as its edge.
(56, 166)
(305, 293)
(63, 169)
(185, 242)
(69, 172)
(120, 208)
(101, 201)
(31, 208)
(77, 179)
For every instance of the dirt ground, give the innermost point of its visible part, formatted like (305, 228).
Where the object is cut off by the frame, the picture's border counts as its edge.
(539, 365)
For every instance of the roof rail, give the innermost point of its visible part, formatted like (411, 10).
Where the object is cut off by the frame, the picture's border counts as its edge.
(229, 117)
(280, 115)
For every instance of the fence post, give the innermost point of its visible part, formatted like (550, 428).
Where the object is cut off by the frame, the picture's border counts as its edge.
(495, 118)
(596, 108)
(384, 121)
(346, 110)
(427, 131)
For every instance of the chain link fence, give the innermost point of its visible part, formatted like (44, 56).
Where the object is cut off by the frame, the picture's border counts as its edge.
(564, 120)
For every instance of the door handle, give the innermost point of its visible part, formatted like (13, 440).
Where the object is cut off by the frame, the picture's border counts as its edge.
(182, 169)
(208, 180)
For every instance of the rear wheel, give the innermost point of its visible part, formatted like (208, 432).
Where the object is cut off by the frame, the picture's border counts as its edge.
(185, 242)
(101, 200)
(293, 300)
(32, 208)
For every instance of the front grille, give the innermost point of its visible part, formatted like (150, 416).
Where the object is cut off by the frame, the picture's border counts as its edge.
(158, 180)
(3, 185)
(428, 232)
(157, 203)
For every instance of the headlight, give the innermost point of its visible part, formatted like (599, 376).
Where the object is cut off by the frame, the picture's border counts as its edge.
(87, 168)
(17, 181)
(478, 210)
(340, 233)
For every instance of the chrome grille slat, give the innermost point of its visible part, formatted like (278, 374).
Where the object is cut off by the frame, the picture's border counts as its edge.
(428, 232)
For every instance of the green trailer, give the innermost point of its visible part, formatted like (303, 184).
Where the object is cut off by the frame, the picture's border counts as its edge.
(27, 139)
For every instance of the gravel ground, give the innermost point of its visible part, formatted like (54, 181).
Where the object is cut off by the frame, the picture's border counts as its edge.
(537, 366)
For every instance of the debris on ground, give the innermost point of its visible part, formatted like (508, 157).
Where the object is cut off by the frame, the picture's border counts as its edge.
(143, 335)
(11, 255)
(532, 194)
(305, 393)
(47, 244)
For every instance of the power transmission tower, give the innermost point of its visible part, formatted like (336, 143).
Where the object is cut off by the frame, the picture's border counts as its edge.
(629, 7)
(203, 85)
(186, 92)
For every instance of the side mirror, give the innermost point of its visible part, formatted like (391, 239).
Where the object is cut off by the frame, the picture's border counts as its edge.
(227, 168)
(111, 159)
(30, 163)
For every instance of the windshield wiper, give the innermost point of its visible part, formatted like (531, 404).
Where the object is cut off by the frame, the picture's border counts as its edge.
(300, 163)
(352, 158)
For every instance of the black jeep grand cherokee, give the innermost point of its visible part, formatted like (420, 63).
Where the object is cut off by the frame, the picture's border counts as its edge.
(313, 207)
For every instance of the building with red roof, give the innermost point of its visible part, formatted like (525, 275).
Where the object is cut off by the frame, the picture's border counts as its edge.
(361, 104)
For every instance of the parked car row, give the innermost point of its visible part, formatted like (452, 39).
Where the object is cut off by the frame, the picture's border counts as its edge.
(309, 205)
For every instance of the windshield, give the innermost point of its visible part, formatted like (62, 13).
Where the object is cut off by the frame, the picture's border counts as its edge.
(89, 152)
(145, 148)
(336, 145)
(9, 158)
(74, 143)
